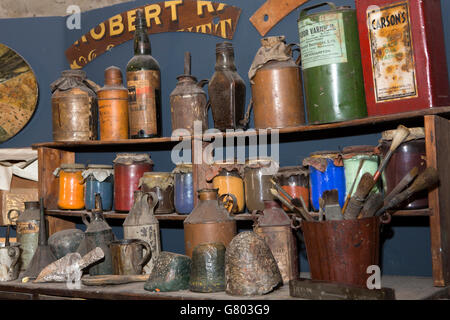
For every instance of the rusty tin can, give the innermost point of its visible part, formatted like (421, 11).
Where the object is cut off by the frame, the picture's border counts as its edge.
(274, 226)
(74, 107)
(341, 251)
(113, 106)
(208, 222)
(227, 90)
(188, 101)
(331, 64)
(403, 54)
(276, 86)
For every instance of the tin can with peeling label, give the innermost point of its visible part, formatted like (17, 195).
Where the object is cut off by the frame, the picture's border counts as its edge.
(331, 64)
(403, 54)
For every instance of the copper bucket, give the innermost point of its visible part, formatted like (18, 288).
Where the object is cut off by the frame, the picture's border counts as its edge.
(341, 251)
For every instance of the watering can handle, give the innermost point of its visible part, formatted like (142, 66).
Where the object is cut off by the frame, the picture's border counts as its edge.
(234, 207)
(84, 216)
(13, 252)
(147, 256)
(9, 215)
(304, 11)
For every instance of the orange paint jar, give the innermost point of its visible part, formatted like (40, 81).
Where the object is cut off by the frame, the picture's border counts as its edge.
(295, 180)
(231, 182)
(71, 186)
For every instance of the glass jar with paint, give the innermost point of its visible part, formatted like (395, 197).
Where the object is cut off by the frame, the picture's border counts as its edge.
(183, 189)
(71, 186)
(411, 153)
(257, 185)
(227, 178)
(99, 178)
(326, 172)
(160, 183)
(295, 181)
(128, 170)
(354, 157)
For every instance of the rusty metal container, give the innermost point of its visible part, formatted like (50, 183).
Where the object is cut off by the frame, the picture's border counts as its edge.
(142, 224)
(208, 222)
(113, 106)
(227, 91)
(74, 107)
(341, 251)
(331, 64)
(274, 226)
(161, 183)
(403, 55)
(277, 90)
(188, 102)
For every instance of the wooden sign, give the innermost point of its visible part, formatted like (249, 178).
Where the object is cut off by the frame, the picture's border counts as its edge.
(214, 18)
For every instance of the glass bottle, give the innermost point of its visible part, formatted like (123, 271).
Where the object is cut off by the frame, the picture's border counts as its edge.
(144, 86)
(227, 90)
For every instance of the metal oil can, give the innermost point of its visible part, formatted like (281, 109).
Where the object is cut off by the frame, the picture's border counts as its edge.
(403, 54)
(274, 225)
(331, 63)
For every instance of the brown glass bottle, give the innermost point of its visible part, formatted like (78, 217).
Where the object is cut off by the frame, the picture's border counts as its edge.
(144, 86)
(226, 90)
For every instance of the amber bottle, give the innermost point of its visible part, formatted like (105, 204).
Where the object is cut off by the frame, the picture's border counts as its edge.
(144, 86)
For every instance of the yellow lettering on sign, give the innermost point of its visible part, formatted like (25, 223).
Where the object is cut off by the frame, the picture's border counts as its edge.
(115, 25)
(131, 17)
(98, 36)
(173, 8)
(221, 7)
(203, 28)
(201, 4)
(152, 12)
(223, 27)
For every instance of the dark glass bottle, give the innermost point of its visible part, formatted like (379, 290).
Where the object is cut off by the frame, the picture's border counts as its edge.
(227, 90)
(144, 86)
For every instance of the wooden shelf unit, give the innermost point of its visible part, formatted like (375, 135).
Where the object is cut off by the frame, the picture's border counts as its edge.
(437, 137)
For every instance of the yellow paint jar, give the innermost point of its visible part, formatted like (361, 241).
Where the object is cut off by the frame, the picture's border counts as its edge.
(230, 182)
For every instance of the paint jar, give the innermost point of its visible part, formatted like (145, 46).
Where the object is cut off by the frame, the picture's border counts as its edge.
(227, 178)
(295, 180)
(326, 172)
(160, 183)
(128, 170)
(71, 186)
(411, 153)
(352, 157)
(99, 178)
(183, 189)
(257, 175)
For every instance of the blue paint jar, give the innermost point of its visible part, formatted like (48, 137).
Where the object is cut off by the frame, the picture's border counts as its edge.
(183, 189)
(99, 179)
(326, 172)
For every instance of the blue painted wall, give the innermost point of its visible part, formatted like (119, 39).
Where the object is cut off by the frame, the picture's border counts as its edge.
(42, 42)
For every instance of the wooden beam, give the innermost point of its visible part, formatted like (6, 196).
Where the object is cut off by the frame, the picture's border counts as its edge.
(437, 137)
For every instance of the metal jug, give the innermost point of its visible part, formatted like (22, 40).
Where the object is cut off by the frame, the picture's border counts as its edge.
(98, 234)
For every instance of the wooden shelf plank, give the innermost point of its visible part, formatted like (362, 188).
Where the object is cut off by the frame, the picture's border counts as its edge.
(252, 132)
(116, 215)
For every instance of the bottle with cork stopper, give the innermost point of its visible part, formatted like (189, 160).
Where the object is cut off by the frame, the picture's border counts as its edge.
(113, 106)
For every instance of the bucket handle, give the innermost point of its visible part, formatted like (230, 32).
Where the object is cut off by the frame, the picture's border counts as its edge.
(385, 218)
(13, 252)
(233, 199)
(304, 11)
(9, 215)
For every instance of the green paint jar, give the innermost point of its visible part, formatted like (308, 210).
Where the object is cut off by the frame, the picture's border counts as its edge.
(352, 157)
(331, 64)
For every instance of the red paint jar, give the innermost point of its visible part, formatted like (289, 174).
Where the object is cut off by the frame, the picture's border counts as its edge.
(128, 170)
(295, 180)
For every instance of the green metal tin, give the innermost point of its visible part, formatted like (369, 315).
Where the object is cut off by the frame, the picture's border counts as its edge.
(331, 64)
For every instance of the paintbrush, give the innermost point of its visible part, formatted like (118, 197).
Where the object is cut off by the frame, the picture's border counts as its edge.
(359, 197)
(372, 204)
(425, 180)
(305, 215)
(361, 162)
(331, 205)
(294, 201)
(399, 136)
(402, 184)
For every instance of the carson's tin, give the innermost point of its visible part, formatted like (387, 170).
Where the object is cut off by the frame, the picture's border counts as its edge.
(402, 49)
(331, 63)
